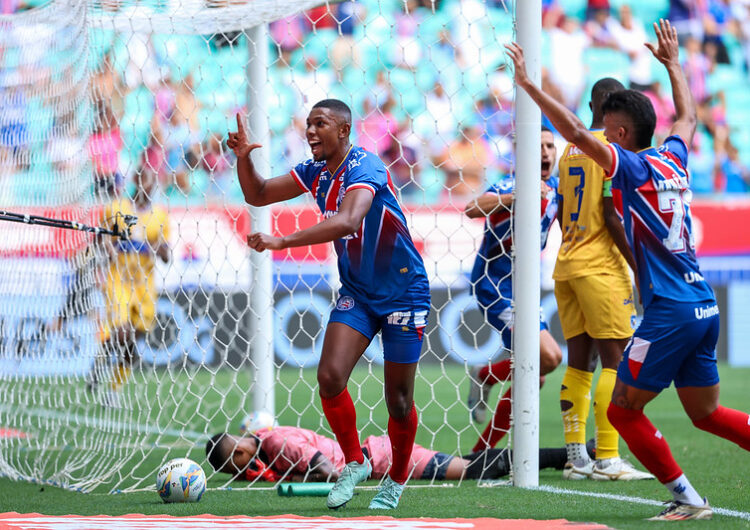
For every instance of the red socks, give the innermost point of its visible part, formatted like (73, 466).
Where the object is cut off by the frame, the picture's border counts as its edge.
(495, 373)
(498, 427)
(402, 432)
(342, 417)
(728, 423)
(646, 443)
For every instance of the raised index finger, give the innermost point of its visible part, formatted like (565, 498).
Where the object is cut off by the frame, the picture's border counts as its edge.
(240, 125)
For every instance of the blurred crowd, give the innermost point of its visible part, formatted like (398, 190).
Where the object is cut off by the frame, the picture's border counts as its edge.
(426, 80)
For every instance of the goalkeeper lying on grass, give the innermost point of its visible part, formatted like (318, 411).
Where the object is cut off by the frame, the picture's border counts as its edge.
(292, 453)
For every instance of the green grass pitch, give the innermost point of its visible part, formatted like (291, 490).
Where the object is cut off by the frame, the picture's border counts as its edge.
(716, 467)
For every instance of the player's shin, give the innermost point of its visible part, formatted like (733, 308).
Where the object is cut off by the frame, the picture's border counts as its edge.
(402, 432)
(645, 442)
(498, 426)
(607, 438)
(342, 417)
(730, 424)
(575, 398)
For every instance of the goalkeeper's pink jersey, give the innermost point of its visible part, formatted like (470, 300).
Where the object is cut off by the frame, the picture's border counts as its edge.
(293, 448)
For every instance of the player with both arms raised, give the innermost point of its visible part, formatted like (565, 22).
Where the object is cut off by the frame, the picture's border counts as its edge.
(676, 340)
(384, 285)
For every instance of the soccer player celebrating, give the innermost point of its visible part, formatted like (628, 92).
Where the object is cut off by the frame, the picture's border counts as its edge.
(295, 454)
(594, 301)
(492, 281)
(676, 339)
(129, 284)
(384, 283)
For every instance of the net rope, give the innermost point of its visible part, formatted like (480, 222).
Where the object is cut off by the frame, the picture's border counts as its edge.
(106, 99)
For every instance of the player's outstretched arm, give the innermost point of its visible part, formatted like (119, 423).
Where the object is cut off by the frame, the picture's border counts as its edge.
(566, 123)
(352, 211)
(257, 190)
(667, 52)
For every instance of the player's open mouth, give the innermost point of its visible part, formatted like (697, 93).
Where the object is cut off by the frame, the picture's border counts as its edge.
(315, 147)
(546, 165)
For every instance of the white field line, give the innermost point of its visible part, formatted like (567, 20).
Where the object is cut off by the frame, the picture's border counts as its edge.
(634, 500)
(80, 420)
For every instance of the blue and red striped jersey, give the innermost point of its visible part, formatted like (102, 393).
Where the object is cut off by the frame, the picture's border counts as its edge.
(656, 198)
(378, 264)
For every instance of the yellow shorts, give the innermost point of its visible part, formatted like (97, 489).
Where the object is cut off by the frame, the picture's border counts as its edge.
(600, 305)
(131, 302)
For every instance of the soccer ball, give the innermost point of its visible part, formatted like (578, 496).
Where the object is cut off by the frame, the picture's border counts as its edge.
(255, 421)
(181, 480)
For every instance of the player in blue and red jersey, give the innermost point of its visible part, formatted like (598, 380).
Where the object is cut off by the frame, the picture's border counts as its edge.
(384, 283)
(492, 281)
(677, 338)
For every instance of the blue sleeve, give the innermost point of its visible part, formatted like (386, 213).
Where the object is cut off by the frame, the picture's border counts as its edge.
(629, 170)
(366, 172)
(676, 145)
(304, 173)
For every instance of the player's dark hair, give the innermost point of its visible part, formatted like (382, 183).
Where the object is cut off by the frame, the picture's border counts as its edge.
(336, 105)
(214, 451)
(547, 129)
(602, 89)
(638, 109)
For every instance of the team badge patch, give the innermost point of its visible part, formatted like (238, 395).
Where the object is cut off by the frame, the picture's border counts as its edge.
(345, 303)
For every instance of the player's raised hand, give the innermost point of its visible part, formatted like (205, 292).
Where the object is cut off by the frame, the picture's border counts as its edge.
(667, 47)
(515, 52)
(260, 242)
(238, 141)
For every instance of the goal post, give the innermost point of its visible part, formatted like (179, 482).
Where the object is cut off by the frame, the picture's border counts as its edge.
(220, 331)
(527, 243)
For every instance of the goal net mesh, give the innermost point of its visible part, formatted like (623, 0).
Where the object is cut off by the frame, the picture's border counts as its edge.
(113, 108)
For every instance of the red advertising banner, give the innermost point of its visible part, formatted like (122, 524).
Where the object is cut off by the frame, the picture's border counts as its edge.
(722, 227)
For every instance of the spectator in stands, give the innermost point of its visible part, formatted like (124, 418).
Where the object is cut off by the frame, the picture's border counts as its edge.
(313, 85)
(566, 65)
(629, 34)
(216, 161)
(295, 143)
(439, 110)
(664, 108)
(684, 17)
(345, 50)
(465, 162)
(182, 150)
(552, 13)
(599, 27)
(104, 146)
(377, 127)
(715, 24)
(408, 48)
(289, 33)
(594, 6)
(186, 104)
(404, 167)
(731, 175)
(696, 67)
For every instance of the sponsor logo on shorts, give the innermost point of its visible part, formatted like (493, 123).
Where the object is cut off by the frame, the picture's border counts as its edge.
(628, 301)
(706, 312)
(345, 303)
(693, 277)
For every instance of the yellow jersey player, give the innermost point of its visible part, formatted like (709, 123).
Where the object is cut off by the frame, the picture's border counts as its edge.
(129, 283)
(595, 303)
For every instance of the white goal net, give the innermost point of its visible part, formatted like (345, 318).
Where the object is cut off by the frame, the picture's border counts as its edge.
(117, 354)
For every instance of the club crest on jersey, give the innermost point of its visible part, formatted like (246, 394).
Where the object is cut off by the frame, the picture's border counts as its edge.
(345, 303)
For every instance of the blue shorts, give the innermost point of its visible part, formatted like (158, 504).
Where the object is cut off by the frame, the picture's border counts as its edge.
(676, 341)
(402, 331)
(498, 310)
